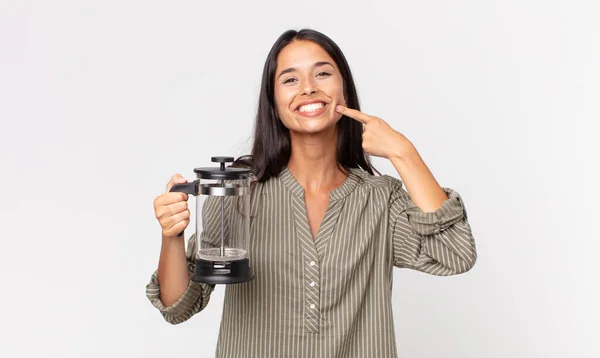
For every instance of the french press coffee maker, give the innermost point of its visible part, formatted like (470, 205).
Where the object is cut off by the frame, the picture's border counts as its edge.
(222, 222)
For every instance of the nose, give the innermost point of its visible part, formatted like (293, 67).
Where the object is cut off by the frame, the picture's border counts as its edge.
(309, 91)
(309, 88)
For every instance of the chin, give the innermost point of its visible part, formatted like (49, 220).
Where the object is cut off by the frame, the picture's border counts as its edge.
(314, 125)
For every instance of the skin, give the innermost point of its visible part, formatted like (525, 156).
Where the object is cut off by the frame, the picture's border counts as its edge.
(172, 213)
(305, 72)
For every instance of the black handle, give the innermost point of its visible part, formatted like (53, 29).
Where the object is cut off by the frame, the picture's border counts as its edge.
(190, 188)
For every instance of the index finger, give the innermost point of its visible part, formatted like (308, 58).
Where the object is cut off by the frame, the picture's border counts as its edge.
(354, 114)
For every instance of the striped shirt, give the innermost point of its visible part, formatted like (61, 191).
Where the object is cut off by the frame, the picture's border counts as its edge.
(331, 296)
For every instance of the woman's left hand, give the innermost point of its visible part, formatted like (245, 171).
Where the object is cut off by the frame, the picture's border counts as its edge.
(379, 139)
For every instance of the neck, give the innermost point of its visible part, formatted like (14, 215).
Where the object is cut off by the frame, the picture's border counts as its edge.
(313, 161)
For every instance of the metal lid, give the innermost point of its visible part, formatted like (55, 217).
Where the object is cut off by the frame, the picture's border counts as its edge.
(222, 173)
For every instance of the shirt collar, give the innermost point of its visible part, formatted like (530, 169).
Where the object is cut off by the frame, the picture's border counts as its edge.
(338, 193)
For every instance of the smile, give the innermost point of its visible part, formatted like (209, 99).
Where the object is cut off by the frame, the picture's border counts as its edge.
(313, 109)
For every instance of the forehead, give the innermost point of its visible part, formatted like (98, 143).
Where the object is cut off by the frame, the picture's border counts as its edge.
(300, 54)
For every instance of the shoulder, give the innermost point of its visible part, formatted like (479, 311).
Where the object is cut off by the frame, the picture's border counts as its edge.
(375, 182)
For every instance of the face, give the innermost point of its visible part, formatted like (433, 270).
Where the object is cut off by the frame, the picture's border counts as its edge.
(308, 86)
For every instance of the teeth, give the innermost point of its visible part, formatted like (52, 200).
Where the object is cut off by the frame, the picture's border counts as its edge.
(311, 107)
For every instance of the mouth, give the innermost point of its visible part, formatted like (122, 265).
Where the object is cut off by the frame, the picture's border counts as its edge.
(312, 109)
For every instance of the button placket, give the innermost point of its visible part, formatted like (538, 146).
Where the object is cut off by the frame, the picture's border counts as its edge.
(312, 295)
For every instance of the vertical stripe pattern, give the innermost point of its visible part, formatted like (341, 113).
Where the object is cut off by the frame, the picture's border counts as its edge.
(331, 296)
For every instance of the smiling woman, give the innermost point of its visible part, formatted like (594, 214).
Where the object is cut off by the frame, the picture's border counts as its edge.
(325, 231)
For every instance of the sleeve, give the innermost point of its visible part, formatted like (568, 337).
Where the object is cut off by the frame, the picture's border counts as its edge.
(438, 243)
(194, 299)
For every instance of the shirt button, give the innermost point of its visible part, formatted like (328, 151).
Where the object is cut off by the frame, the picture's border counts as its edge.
(312, 284)
(312, 263)
(312, 306)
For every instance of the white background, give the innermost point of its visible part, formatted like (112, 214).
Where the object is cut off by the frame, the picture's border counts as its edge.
(102, 101)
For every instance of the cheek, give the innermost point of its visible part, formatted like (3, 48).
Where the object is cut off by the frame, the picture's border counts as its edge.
(339, 98)
(281, 102)
(337, 92)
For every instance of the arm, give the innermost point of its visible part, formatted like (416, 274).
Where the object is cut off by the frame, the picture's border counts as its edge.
(422, 187)
(194, 296)
(428, 225)
(173, 275)
(430, 228)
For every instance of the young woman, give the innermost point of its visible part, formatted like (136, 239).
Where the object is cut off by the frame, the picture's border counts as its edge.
(326, 232)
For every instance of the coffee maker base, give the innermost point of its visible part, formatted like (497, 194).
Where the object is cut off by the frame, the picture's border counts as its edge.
(222, 273)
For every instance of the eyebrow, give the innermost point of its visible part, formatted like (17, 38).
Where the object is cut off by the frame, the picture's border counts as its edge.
(317, 64)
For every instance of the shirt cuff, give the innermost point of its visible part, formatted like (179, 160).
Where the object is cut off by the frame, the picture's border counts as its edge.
(451, 212)
(184, 304)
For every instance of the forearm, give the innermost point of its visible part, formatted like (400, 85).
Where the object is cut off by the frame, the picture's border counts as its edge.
(173, 274)
(420, 184)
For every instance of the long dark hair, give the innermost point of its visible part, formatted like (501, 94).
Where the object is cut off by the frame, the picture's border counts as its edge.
(272, 143)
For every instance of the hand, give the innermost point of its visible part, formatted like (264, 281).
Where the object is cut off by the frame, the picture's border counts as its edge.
(171, 209)
(379, 139)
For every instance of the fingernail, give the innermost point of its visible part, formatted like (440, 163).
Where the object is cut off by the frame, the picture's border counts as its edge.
(338, 108)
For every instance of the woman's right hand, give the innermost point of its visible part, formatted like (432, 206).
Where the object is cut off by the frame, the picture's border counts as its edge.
(171, 209)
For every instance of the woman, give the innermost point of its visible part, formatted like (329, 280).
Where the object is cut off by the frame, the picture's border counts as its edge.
(326, 232)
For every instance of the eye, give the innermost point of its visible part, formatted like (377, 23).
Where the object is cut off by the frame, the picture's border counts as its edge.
(289, 80)
(323, 74)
